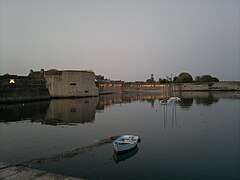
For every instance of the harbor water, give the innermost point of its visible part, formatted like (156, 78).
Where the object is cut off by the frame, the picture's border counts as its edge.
(196, 138)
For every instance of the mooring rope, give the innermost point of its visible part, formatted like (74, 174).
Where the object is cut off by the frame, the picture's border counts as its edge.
(71, 153)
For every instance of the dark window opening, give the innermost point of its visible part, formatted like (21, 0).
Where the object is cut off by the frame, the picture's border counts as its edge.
(86, 91)
(73, 84)
(73, 110)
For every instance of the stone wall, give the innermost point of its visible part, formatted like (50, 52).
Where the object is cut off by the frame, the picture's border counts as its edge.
(168, 89)
(214, 86)
(42, 84)
(71, 83)
(110, 89)
(15, 88)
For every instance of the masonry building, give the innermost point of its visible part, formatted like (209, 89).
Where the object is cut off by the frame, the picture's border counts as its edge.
(71, 83)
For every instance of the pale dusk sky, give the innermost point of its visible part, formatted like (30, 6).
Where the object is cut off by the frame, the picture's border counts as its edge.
(122, 39)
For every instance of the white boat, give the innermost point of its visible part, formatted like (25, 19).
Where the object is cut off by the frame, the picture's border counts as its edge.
(175, 99)
(170, 100)
(163, 102)
(125, 143)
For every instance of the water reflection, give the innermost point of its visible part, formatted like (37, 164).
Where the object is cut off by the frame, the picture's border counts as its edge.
(207, 101)
(173, 112)
(71, 111)
(202, 98)
(34, 111)
(122, 157)
(82, 110)
(200, 134)
(187, 98)
(174, 115)
(108, 100)
(186, 102)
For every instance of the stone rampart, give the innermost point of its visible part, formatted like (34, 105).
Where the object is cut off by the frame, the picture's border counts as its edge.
(211, 86)
(42, 84)
(169, 88)
(22, 88)
(18, 93)
(70, 83)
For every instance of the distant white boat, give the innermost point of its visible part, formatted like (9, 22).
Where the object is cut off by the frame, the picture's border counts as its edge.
(163, 102)
(174, 99)
(125, 143)
(170, 100)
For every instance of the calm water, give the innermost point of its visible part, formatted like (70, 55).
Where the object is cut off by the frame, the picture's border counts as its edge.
(198, 138)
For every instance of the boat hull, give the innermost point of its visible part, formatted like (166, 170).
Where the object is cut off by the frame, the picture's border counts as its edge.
(125, 149)
(124, 156)
(125, 144)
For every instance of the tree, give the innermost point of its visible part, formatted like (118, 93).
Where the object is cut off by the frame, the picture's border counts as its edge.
(184, 77)
(175, 78)
(215, 79)
(198, 78)
(160, 80)
(206, 78)
(150, 81)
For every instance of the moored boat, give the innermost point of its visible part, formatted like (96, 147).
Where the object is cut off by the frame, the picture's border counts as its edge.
(175, 99)
(125, 143)
(163, 102)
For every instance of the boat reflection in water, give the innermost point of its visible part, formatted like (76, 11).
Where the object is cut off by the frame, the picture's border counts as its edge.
(122, 157)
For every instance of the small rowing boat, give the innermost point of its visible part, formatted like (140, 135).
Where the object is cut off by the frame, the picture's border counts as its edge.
(125, 143)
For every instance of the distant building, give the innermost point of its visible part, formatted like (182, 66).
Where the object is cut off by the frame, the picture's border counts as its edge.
(71, 83)
(151, 80)
(99, 78)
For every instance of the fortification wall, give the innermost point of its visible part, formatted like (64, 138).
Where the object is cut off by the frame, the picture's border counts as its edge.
(22, 88)
(71, 83)
(150, 89)
(169, 88)
(110, 89)
(41, 85)
(214, 86)
(20, 93)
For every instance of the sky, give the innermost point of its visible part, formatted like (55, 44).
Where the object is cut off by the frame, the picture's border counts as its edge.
(122, 39)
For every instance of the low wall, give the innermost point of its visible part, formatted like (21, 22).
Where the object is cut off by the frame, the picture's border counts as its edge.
(168, 88)
(214, 86)
(30, 90)
(19, 93)
(15, 88)
(110, 89)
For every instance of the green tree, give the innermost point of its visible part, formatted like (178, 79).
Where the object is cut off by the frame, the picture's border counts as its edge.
(198, 78)
(160, 80)
(151, 80)
(184, 77)
(206, 78)
(215, 79)
(175, 78)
